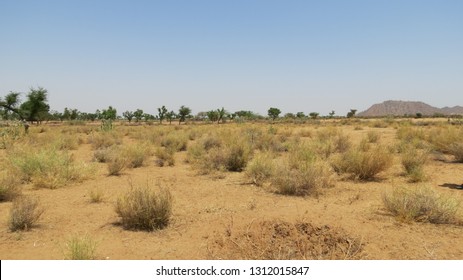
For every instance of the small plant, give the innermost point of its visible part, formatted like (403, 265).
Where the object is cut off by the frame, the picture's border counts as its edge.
(24, 213)
(165, 157)
(9, 187)
(363, 162)
(81, 248)
(372, 136)
(116, 164)
(47, 168)
(145, 209)
(96, 195)
(260, 169)
(307, 179)
(136, 156)
(175, 141)
(422, 204)
(456, 149)
(413, 161)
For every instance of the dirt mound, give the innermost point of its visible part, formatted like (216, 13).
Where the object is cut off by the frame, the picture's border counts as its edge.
(280, 240)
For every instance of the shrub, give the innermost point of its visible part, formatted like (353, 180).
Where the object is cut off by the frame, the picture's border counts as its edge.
(96, 195)
(9, 187)
(81, 248)
(103, 155)
(104, 140)
(136, 155)
(165, 157)
(280, 240)
(176, 141)
(116, 164)
(421, 204)
(372, 136)
(145, 209)
(363, 163)
(456, 149)
(307, 179)
(24, 213)
(237, 157)
(260, 169)
(47, 168)
(413, 161)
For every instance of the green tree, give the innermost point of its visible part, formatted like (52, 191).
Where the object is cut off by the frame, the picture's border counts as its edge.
(10, 105)
(331, 114)
(138, 115)
(273, 113)
(35, 108)
(183, 113)
(170, 116)
(109, 114)
(351, 114)
(128, 115)
(313, 115)
(289, 116)
(221, 114)
(212, 116)
(162, 113)
(300, 115)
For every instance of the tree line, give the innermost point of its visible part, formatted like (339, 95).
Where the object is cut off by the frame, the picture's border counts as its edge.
(35, 108)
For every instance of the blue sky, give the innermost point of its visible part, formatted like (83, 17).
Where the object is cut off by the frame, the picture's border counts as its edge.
(309, 56)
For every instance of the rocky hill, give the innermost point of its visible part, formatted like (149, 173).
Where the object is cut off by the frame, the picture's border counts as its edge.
(402, 108)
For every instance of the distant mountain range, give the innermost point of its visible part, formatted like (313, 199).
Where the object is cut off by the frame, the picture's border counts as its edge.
(402, 108)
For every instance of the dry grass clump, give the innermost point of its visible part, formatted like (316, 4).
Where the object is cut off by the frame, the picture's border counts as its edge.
(145, 209)
(280, 240)
(177, 141)
(422, 204)
(260, 168)
(307, 179)
(9, 187)
(24, 213)
(117, 163)
(456, 149)
(329, 141)
(81, 248)
(67, 142)
(444, 138)
(96, 195)
(363, 162)
(103, 155)
(413, 161)
(136, 155)
(165, 157)
(233, 155)
(373, 136)
(47, 168)
(104, 139)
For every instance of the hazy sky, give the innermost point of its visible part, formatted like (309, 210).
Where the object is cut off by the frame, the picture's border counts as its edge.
(309, 56)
